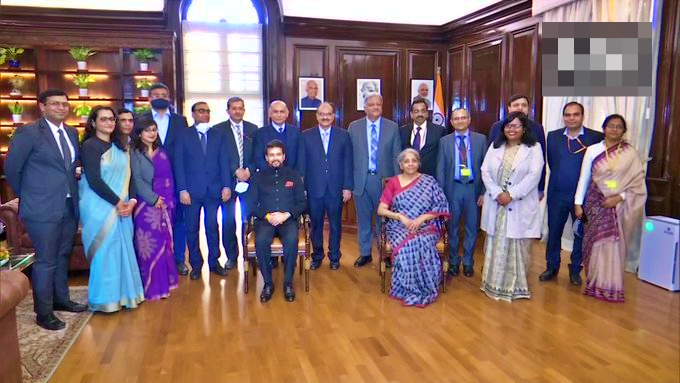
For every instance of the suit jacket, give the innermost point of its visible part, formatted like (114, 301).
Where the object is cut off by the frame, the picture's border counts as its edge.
(446, 163)
(389, 147)
(249, 129)
(35, 169)
(177, 124)
(291, 139)
(430, 151)
(326, 173)
(556, 139)
(202, 175)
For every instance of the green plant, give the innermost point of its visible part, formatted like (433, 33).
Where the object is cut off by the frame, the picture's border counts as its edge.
(10, 53)
(82, 110)
(15, 108)
(144, 54)
(141, 109)
(83, 80)
(81, 53)
(144, 84)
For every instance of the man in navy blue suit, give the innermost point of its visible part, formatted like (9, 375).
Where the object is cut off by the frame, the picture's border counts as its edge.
(566, 148)
(169, 127)
(40, 168)
(520, 103)
(238, 138)
(423, 136)
(326, 167)
(277, 130)
(203, 178)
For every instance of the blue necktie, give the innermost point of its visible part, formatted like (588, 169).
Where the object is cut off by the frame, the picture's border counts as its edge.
(204, 141)
(416, 140)
(373, 155)
(325, 141)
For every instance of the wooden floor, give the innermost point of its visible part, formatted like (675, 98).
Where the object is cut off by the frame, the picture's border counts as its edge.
(344, 330)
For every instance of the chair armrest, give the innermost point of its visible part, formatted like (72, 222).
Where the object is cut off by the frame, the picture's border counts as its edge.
(13, 288)
(9, 215)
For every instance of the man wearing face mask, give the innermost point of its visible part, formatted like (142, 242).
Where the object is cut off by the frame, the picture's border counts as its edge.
(169, 126)
(203, 178)
(423, 136)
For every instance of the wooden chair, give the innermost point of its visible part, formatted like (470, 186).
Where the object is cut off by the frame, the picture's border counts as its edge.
(385, 251)
(304, 250)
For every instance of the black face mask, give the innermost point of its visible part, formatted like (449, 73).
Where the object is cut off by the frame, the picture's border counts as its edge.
(160, 103)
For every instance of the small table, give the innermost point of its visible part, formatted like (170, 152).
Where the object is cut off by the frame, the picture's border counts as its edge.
(18, 262)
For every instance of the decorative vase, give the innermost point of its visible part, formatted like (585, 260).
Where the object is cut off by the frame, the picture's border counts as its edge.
(82, 92)
(13, 63)
(16, 118)
(143, 66)
(145, 92)
(82, 65)
(83, 119)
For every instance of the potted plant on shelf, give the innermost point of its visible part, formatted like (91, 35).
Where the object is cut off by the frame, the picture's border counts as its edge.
(83, 81)
(11, 55)
(144, 55)
(80, 54)
(141, 109)
(17, 83)
(144, 85)
(83, 111)
(16, 110)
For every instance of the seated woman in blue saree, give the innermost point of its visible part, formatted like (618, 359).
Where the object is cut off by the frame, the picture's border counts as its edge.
(105, 214)
(411, 201)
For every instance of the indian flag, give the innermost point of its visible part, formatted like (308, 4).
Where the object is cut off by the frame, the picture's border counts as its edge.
(438, 112)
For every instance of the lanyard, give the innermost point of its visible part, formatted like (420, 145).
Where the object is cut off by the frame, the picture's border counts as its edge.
(583, 147)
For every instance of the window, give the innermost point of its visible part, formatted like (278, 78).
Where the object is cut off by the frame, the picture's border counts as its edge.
(223, 57)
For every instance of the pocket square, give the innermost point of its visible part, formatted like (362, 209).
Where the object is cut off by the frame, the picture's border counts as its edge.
(289, 184)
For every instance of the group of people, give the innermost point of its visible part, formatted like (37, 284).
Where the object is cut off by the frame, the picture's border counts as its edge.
(145, 179)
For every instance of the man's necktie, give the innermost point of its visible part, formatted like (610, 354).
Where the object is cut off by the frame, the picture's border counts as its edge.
(373, 155)
(239, 133)
(416, 139)
(325, 136)
(204, 141)
(462, 150)
(65, 149)
(280, 130)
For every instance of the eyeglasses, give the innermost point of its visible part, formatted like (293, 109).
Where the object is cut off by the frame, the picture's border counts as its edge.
(56, 104)
(460, 118)
(324, 114)
(513, 126)
(151, 130)
(612, 126)
(203, 111)
(105, 119)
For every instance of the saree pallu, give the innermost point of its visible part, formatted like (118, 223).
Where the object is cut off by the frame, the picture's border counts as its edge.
(608, 232)
(153, 234)
(416, 264)
(107, 239)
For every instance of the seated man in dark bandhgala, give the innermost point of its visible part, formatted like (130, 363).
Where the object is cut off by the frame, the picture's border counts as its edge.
(277, 200)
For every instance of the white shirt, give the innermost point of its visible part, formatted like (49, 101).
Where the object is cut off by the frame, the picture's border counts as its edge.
(584, 179)
(235, 133)
(55, 133)
(423, 134)
(163, 123)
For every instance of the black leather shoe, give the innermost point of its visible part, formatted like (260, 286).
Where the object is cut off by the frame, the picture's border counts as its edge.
(361, 261)
(289, 293)
(219, 270)
(316, 264)
(468, 271)
(335, 265)
(182, 269)
(575, 278)
(388, 262)
(454, 270)
(275, 263)
(70, 306)
(548, 274)
(195, 273)
(266, 293)
(50, 322)
(231, 264)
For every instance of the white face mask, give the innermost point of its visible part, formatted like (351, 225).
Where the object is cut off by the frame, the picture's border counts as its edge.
(202, 127)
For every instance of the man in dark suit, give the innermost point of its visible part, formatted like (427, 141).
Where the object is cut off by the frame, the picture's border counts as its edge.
(423, 136)
(277, 200)
(566, 148)
(169, 126)
(326, 166)
(203, 179)
(40, 168)
(238, 137)
(461, 154)
(375, 147)
(277, 130)
(310, 101)
(520, 103)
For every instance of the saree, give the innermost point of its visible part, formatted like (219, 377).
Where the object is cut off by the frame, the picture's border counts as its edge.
(153, 233)
(107, 239)
(416, 264)
(506, 260)
(609, 232)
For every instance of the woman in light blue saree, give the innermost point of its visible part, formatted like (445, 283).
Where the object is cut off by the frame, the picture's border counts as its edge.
(105, 214)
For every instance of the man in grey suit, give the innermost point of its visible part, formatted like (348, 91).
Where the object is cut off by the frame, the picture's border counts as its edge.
(459, 173)
(376, 145)
(40, 167)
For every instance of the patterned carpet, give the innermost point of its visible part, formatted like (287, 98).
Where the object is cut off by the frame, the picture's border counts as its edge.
(42, 350)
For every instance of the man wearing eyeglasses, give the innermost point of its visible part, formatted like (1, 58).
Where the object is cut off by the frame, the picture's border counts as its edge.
(459, 173)
(566, 148)
(203, 179)
(326, 167)
(40, 168)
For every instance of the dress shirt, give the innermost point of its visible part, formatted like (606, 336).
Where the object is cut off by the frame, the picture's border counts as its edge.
(55, 133)
(234, 132)
(163, 122)
(326, 141)
(279, 128)
(423, 134)
(581, 133)
(468, 145)
(368, 131)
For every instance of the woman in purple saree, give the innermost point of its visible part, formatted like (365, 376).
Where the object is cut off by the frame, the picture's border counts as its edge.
(411, 201)
(153, 215)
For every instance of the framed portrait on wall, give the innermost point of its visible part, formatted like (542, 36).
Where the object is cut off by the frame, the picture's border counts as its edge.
(423, 89)
(366, 86)
(310, 92)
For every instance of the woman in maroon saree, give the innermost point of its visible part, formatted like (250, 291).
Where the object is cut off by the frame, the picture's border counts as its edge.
(411, 201)
(154, 213)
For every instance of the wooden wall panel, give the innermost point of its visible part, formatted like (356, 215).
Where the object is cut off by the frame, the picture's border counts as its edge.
(457, 77)
(309, 61)
(522, 64)
(485, 63)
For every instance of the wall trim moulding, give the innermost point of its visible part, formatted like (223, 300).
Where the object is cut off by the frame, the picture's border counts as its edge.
(37, 17)
(23, 36)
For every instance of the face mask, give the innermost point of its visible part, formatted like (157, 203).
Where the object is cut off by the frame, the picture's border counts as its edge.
(160, 103)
